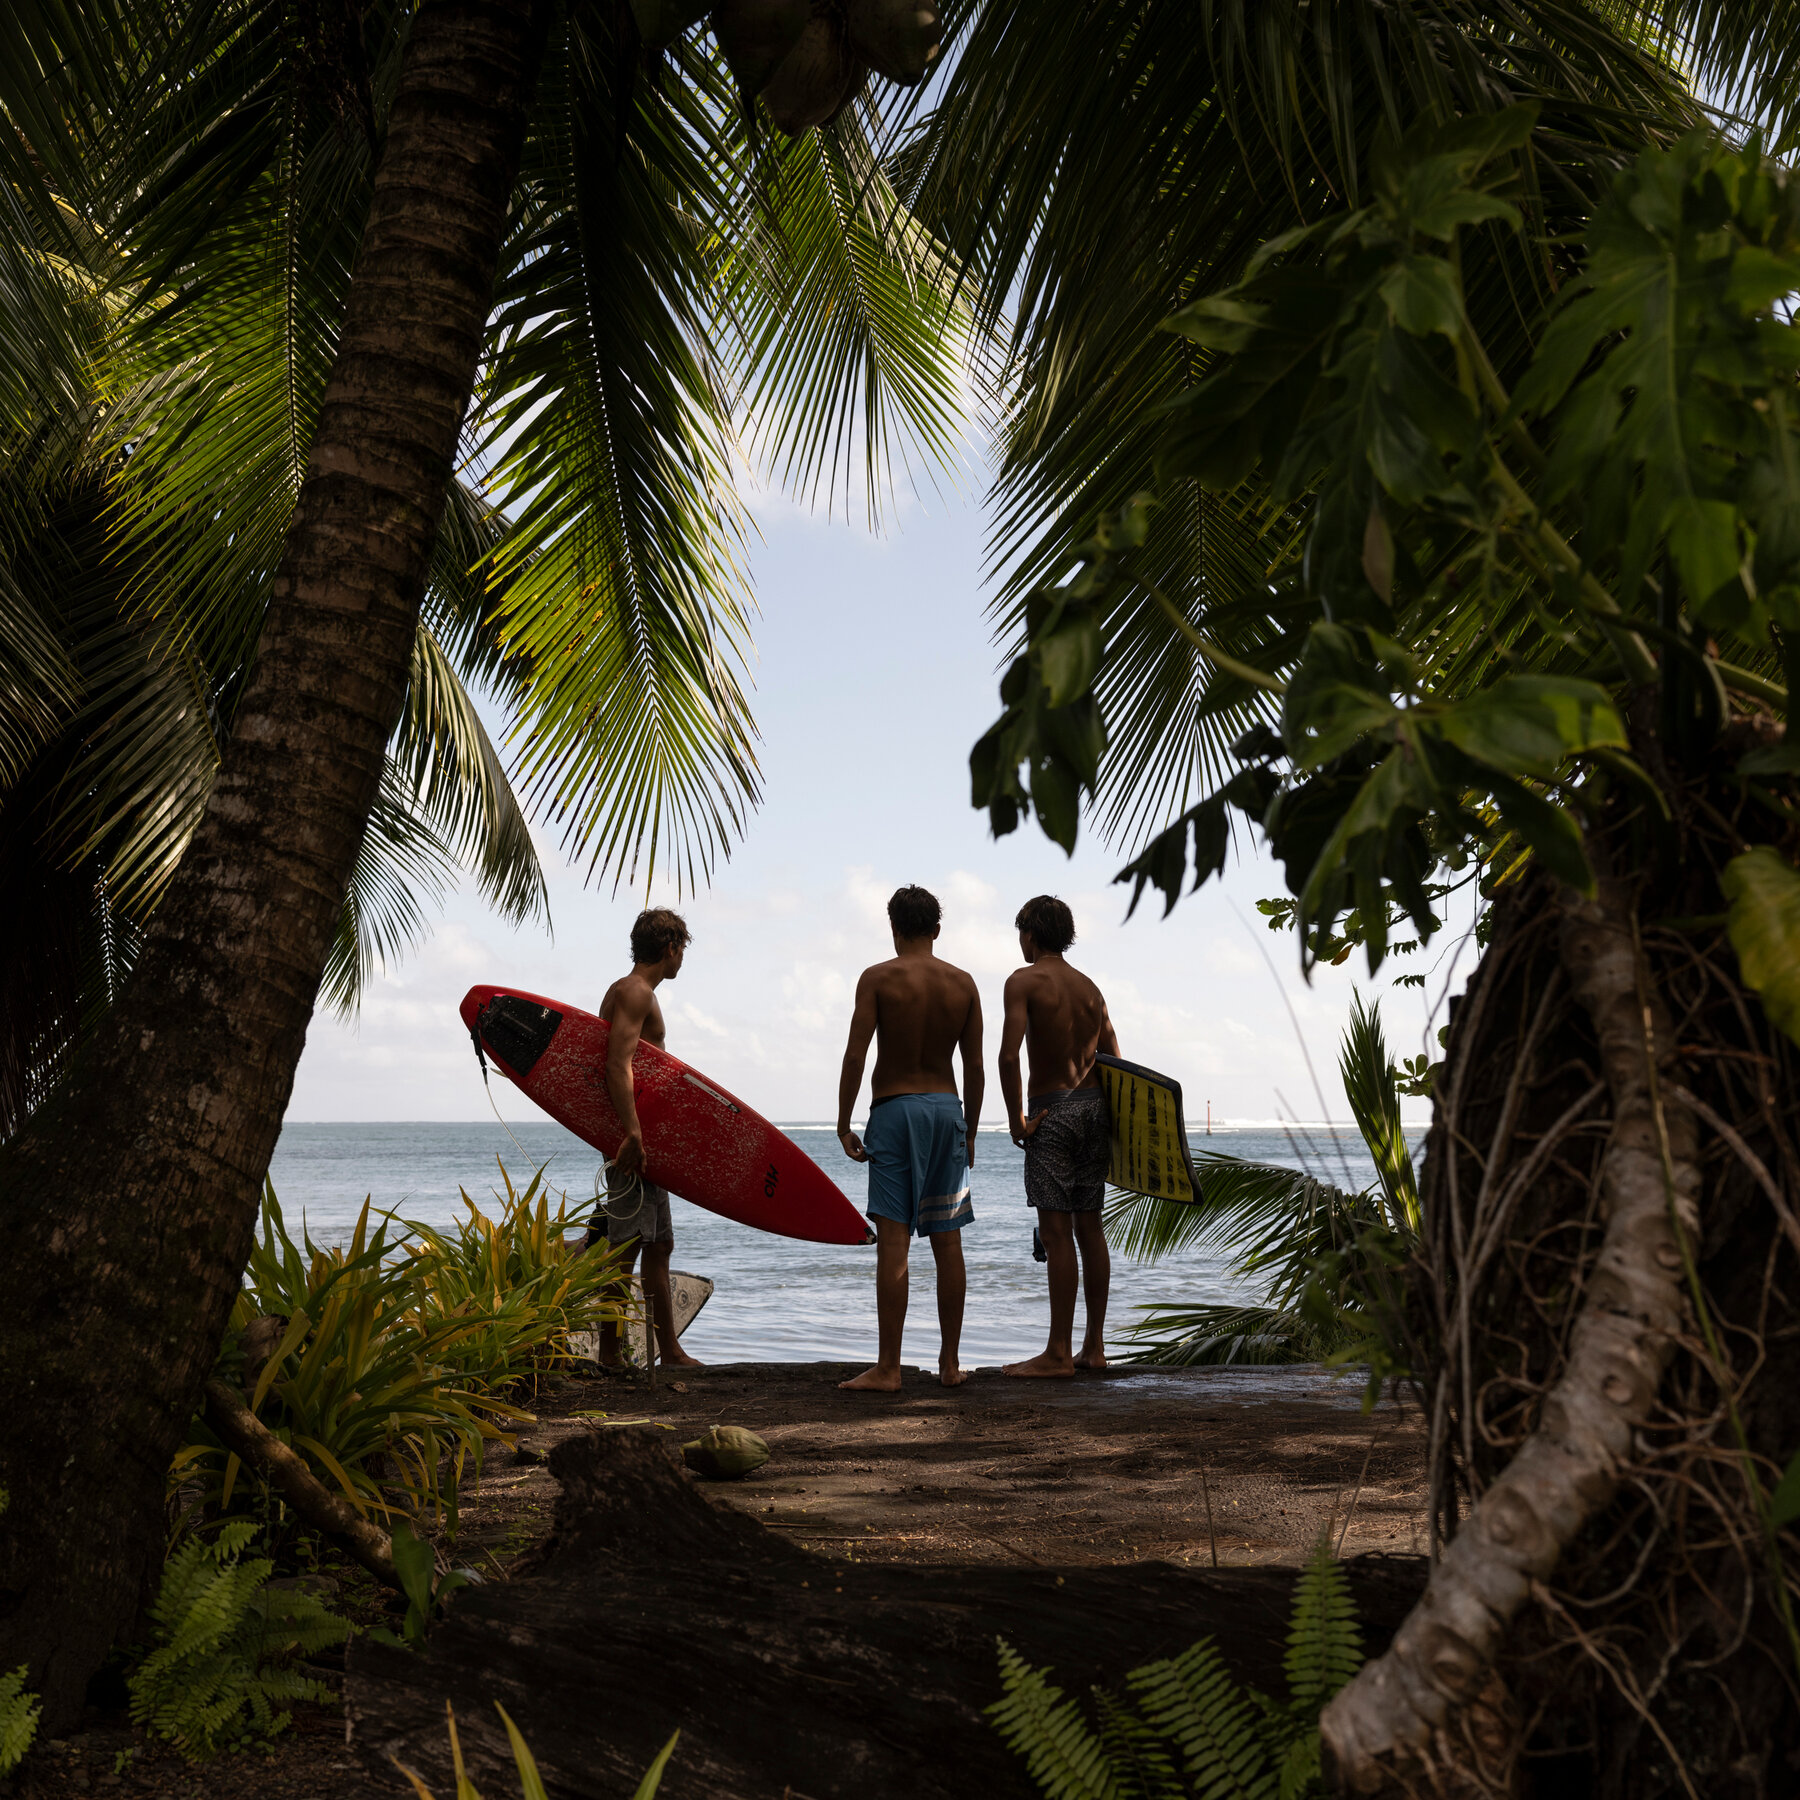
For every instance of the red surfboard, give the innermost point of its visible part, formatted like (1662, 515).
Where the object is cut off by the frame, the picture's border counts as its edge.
(699, 1141)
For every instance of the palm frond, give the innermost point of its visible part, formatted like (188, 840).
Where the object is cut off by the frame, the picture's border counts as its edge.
(402, 865)
(1369, 1086)
(850, 330)
(1099, 165)
(1177, 1336)
(456, 783)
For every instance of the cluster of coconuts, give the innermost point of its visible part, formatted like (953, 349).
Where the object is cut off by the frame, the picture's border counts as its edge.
(807, 58)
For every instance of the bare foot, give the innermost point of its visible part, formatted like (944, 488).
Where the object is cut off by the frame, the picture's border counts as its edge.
(1042, 1365)
(680, 1360)
(951, 1376)
(875, 1381)
(1091, 1359)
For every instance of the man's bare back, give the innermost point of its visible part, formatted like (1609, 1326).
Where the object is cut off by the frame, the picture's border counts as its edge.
(1065, 1024)
(922, 1009)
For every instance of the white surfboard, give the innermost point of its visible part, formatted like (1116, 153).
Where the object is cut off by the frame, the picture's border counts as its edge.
(689, 1292)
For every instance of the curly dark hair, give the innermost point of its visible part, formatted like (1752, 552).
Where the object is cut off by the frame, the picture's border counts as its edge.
(1048, 919)
(914, 913)
(656, 932)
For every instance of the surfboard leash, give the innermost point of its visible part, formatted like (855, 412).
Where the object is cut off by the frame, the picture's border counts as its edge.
(487, 1088)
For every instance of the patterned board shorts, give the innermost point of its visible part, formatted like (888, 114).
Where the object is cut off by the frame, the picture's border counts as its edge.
(1066, 1158)
(634, 1209)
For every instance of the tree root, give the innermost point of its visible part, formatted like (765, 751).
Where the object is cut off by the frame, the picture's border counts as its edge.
(1392, 1719)
(245, 1435)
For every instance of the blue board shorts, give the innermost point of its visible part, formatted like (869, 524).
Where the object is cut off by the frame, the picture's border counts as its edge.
(918, 1162)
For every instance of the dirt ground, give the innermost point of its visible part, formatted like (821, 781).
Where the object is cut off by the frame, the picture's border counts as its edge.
(1177, 1465)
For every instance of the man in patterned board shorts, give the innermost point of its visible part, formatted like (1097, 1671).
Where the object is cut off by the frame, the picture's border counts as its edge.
(637, 1211)
(919, 1142)
(1060, 1017)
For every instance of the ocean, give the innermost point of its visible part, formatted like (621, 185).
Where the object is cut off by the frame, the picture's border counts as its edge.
(778, 1300)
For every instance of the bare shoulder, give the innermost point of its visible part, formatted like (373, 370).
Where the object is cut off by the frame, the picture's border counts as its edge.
(630, 997)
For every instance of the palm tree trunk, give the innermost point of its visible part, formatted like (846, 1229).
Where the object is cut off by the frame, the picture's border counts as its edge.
(127, 1206)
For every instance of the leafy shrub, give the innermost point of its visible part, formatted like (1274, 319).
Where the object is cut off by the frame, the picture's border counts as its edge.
(531, 1783)
(1194, 1730)
(19, 1712)
(222, 1662)
(1332, 1261)
(395, 1359)
(519, 1276)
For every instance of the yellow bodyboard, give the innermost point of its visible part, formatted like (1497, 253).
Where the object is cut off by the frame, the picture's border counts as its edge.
(1149, 1133)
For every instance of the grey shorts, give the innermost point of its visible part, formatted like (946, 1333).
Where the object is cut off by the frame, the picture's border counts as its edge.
(1066, 1158)
(634, 1209)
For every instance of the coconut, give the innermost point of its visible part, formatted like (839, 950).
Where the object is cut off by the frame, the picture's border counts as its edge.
(816, 77)
(726, 1452)
(661, 22)
(899, 39)
(756, 34)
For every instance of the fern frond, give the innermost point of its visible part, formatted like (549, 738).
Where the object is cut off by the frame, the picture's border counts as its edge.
(1193, 1700)
(220, 1670)
(1324, 1647)
(1300, 1768)
(1137, 1751)
(1066, 1760)
(19, 1711)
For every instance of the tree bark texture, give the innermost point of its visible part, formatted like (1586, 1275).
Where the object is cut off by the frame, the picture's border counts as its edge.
(653, 1608)
(1394, 1715)
(128, 1204)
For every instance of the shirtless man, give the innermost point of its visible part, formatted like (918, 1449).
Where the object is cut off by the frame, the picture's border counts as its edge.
(659, 941)
(1061, 1016)
(920, 1140)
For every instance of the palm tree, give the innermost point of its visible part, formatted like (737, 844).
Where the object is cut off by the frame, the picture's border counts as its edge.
(364, 360)
(1603, 1297)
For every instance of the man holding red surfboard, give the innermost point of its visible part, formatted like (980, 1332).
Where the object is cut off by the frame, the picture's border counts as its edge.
(659, 941)
(920, 1139)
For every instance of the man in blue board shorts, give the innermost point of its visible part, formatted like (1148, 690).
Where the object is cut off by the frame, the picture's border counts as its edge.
(1060, 1017)
(920, 1139)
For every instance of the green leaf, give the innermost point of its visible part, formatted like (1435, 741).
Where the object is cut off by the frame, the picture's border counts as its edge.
(415, 1562)
(1530, 724)
(1069, 657)
(1550, 833)
(1703, 540)
(1784, 1503)
(1422, 296)
(646, 1789)
(1764, 928)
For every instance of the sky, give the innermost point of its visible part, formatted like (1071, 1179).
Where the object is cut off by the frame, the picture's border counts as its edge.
(876, 672)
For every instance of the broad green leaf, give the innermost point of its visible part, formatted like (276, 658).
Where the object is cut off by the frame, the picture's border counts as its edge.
(1529, 724)
(1764, 926)
(1069, 657)
(1552, 835)
(1421, 294)
(1703, 540)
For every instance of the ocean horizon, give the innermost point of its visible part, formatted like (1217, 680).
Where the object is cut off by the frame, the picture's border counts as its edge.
(778, 1300)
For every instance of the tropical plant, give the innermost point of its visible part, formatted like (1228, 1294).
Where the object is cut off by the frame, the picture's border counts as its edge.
(531, 1783)
(517, 1279)
(1332, 1261)
(328, 259)
(1190, 1728)
(389, 1364)
(225, 1647)
(1527, 623)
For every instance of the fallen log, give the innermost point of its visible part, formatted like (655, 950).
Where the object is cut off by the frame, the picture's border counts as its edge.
(652, 1608)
